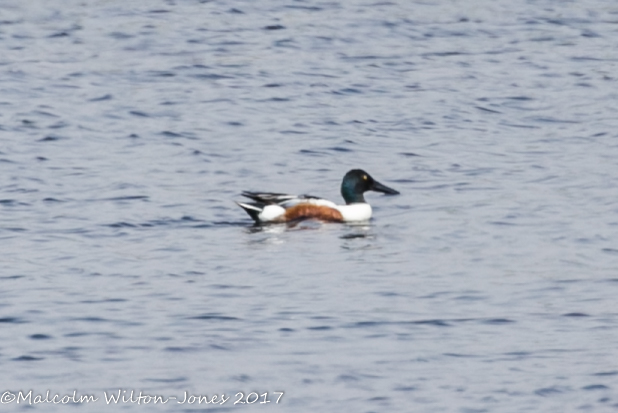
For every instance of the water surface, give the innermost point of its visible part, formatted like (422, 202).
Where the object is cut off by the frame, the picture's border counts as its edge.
(127, 130)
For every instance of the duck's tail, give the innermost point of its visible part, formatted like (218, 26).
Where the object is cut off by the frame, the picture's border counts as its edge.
(253, 210)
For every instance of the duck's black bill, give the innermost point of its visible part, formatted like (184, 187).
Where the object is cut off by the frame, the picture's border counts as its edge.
(378, 187)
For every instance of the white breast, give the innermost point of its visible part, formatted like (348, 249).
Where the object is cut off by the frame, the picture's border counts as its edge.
(355, 212)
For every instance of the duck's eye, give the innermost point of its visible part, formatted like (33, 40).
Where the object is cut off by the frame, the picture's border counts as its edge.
(365, 177)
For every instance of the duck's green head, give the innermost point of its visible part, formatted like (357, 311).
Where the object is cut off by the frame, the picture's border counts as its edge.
(356, 182)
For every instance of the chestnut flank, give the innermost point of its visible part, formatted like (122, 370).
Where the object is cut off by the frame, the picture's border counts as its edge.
(307, 211)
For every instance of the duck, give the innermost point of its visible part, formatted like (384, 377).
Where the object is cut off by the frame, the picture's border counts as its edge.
(270, 207)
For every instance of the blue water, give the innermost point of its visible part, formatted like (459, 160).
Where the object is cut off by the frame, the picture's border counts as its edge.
(127, 130)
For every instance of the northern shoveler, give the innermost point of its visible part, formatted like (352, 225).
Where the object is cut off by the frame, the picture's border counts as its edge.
(271, 207)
